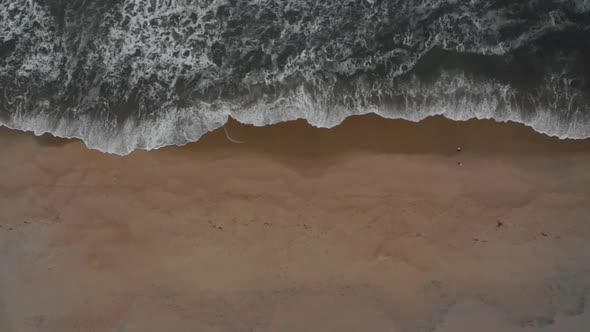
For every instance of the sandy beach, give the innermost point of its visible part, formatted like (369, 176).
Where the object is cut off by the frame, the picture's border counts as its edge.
(375, 225)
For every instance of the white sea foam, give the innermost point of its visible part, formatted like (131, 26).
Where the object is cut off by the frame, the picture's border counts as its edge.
(456, 97)
(582, 6)
(68, 70)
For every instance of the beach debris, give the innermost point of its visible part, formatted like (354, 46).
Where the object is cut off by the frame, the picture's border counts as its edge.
(267, 224)
(499, 224)
(459, 163)
(543, 234)
(459, 149)
(214, 225)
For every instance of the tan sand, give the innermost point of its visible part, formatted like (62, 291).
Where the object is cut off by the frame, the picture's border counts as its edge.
(370, 226)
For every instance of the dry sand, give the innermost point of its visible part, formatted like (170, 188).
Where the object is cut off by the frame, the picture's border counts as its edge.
(370, 226)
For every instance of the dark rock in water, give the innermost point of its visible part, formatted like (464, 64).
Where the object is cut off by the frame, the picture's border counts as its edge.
(144, 74)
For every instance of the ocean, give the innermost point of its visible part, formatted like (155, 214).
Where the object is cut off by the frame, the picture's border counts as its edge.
(142, 74)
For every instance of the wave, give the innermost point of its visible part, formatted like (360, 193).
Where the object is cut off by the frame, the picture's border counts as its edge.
(134, 74)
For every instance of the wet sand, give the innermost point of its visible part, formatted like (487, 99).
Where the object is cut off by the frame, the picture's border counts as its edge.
(375, 225)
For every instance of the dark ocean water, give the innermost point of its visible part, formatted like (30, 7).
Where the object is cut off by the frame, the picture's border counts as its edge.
(128, 74)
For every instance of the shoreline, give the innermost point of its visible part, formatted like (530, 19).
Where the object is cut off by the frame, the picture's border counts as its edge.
(371, 225)
(299, 123)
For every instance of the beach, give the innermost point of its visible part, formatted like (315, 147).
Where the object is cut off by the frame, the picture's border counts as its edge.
(374, 225)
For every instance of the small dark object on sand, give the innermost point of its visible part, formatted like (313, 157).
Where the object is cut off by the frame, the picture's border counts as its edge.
(544, 234)
(499, 224)
(459, 163)
(459, 149)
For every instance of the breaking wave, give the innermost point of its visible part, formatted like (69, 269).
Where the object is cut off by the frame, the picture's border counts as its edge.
(141, 74)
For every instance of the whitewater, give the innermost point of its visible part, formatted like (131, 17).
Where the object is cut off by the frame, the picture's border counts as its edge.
(142, 74)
